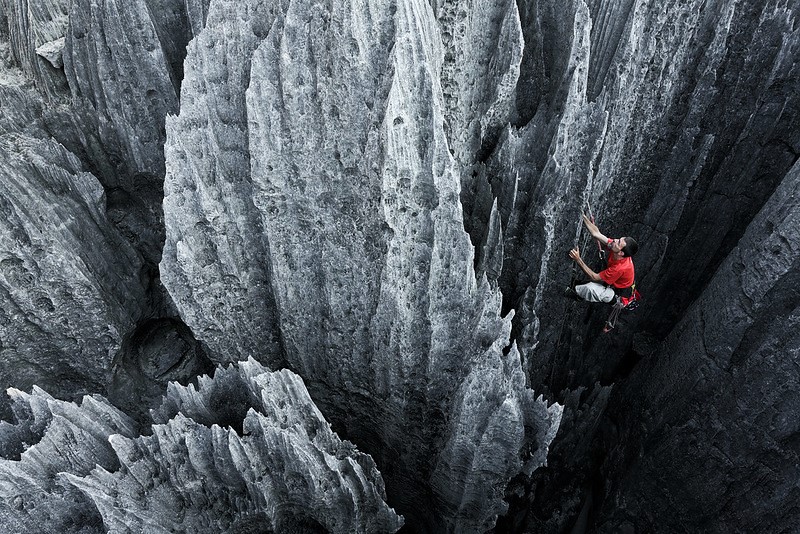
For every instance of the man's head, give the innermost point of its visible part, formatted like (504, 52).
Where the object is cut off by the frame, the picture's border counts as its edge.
(626, 246)
(630, 247)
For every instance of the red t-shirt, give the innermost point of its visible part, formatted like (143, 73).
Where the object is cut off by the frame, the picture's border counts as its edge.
(619, 273)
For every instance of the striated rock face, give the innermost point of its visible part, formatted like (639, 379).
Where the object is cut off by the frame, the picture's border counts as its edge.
(50, 437)
(336, 174)
(281, 469)
(123, 114)
(83, 307)
(738, 341)
(286, 472)
(69, 284)
(674, 123)
(36, 31)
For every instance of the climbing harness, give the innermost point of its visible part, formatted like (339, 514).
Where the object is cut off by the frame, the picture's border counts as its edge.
(622, 303)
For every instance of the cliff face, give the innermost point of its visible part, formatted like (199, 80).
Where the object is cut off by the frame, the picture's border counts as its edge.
(738, 341)
(380, 195)
(679, 125)
(70, 283)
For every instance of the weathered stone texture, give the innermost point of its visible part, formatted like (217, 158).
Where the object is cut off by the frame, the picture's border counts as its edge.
(675, 124)
(47, 438)
(351, 196)
(380, 195)
(85, 469)
(215, 260)
(121, 77)
(69, 284)
(284, 470)
(36, 30)
(695, 450)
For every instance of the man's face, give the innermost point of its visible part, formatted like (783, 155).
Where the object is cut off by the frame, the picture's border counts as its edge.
(617, 245)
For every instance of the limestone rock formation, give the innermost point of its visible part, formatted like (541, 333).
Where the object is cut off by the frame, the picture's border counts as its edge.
(284, 470)
(50, 437)
(738, 341)
(69, 284)
(36, 30)
(379, 195)
(333, 170)
(674, 123)
(123, 114)
(280, 469)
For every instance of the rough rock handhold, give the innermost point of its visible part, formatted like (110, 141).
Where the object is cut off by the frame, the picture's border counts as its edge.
(53, 52)
(285, 470)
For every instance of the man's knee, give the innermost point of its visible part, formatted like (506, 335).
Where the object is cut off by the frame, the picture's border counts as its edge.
(585, 292)
(594, 292)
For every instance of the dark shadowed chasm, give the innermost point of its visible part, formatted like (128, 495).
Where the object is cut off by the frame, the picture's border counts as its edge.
(299, 266)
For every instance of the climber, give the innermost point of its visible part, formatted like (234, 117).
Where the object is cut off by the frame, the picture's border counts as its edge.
(616, 279)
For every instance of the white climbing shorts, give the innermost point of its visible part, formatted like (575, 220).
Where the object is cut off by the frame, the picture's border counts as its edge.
(594, 292)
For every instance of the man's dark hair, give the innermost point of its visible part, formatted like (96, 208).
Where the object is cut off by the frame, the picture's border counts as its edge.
(631, 246)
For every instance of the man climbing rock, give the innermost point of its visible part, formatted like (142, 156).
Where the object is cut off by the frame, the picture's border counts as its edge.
(616, 279)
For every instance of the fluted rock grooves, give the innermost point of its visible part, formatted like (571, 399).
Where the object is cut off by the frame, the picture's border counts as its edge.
(379, 195)
(339, 154)
(283, 470)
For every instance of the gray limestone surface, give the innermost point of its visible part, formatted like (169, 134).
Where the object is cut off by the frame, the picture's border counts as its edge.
(739, 341)
(326, 197)
(283, 470)
(86, 468)
(379, 196)
(70, 285)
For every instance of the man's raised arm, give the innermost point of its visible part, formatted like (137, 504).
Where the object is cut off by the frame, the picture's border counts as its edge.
(594, 230)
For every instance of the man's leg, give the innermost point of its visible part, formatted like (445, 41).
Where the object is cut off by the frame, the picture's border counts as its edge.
(594, 292)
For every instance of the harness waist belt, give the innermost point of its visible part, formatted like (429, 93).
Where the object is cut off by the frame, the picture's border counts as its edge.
(624, 292)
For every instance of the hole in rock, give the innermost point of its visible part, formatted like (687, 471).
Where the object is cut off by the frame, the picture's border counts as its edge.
(157, 352)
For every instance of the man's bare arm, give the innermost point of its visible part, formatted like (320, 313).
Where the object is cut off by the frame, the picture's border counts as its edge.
(594, 230)
(575, 254)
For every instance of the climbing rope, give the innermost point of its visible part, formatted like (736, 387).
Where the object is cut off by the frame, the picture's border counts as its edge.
(614, 315)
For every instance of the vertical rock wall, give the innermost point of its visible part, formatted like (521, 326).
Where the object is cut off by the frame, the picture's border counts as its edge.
(70, 286)
(122, 115)
(713, 437)
(380, 195)
(36, 32)
(215, 259)
(680, 131)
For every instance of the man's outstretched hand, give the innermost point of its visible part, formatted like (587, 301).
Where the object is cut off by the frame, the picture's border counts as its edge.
(575, 254)
(588, 223)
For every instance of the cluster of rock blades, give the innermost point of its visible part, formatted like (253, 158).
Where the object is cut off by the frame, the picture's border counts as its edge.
(276, 466)
(379, 195)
